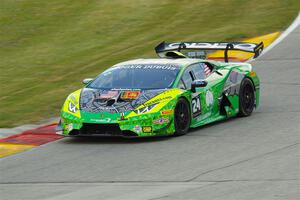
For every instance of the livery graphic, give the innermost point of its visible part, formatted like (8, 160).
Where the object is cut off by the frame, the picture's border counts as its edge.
(156, 97)
(209, 98)
(125, 101)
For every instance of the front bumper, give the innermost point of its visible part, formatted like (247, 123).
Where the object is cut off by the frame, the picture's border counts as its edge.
(153, 124)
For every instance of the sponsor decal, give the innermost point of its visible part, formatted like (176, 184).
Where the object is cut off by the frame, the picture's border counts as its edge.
(150, 66)
(252, 74)
(216, 45)
(158, 100)
(70, 127)
(197, 54)
(72, 107)
(130, 94)
(101, 120)
(147, 129)
(209, 98)
(108, 94)
(167, 112)
(196, 105)
(122, 116)
(161, 120)
(138, 129)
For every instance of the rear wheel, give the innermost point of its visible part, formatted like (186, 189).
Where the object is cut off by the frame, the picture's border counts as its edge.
(182, 117)
(246, 98)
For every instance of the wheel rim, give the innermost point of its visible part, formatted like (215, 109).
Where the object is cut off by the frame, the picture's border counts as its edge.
(181, 116)
(248, 98)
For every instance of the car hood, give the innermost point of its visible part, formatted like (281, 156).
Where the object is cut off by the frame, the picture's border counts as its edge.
(114, 101)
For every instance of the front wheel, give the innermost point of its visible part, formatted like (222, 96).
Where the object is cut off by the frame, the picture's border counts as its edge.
(182, 117)
(246, 98)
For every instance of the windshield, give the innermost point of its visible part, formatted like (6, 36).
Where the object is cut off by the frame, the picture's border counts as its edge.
(137, 76)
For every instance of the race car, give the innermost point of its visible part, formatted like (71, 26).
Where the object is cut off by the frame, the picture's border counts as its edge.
(164, 96)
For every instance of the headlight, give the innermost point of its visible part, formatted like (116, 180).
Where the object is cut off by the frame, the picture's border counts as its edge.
(72, 107)
(144, 109)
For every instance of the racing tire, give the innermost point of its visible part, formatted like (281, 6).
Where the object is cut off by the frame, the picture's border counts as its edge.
(182, 117)
(246, 98)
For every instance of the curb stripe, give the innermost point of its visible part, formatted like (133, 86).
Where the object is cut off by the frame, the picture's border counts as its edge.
(38, 136)
(28, 139)
(7, 149)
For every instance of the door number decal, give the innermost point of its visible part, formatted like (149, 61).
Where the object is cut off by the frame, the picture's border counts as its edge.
(196, 106)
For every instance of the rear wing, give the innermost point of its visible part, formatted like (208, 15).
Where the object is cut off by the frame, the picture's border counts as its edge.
(163, 48)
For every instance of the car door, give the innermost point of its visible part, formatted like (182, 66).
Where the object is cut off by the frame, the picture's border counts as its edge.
(199, 102)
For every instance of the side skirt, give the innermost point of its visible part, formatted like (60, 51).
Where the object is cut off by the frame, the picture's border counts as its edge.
(209, 120)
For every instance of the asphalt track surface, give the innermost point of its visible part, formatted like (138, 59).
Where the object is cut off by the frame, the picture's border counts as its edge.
(244, 158)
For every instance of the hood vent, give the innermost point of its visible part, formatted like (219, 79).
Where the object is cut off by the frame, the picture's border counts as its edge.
(110, 102)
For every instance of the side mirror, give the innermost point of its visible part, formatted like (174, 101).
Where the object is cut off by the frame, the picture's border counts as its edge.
(198, 83)
(87, 81)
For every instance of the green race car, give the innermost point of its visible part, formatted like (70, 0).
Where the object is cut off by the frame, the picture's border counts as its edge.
(164, 96)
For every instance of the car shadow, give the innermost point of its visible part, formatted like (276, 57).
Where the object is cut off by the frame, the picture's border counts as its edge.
(113, 140)
(215, 124)
(200, 131)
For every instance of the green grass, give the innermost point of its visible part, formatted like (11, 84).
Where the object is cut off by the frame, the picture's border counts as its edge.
(48, 47)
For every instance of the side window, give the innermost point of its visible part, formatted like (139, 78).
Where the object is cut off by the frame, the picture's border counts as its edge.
(199, 70)
(187, 78)
(181, 85)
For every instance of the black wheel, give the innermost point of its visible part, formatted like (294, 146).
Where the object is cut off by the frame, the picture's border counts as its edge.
(182, 117)
(246, 98)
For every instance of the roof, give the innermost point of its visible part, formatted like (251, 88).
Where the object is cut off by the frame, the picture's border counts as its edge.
(182, 62)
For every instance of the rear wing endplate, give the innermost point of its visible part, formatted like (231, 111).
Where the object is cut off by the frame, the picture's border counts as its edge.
(254, 48)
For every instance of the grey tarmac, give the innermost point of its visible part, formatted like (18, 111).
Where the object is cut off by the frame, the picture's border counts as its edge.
(257, 157)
